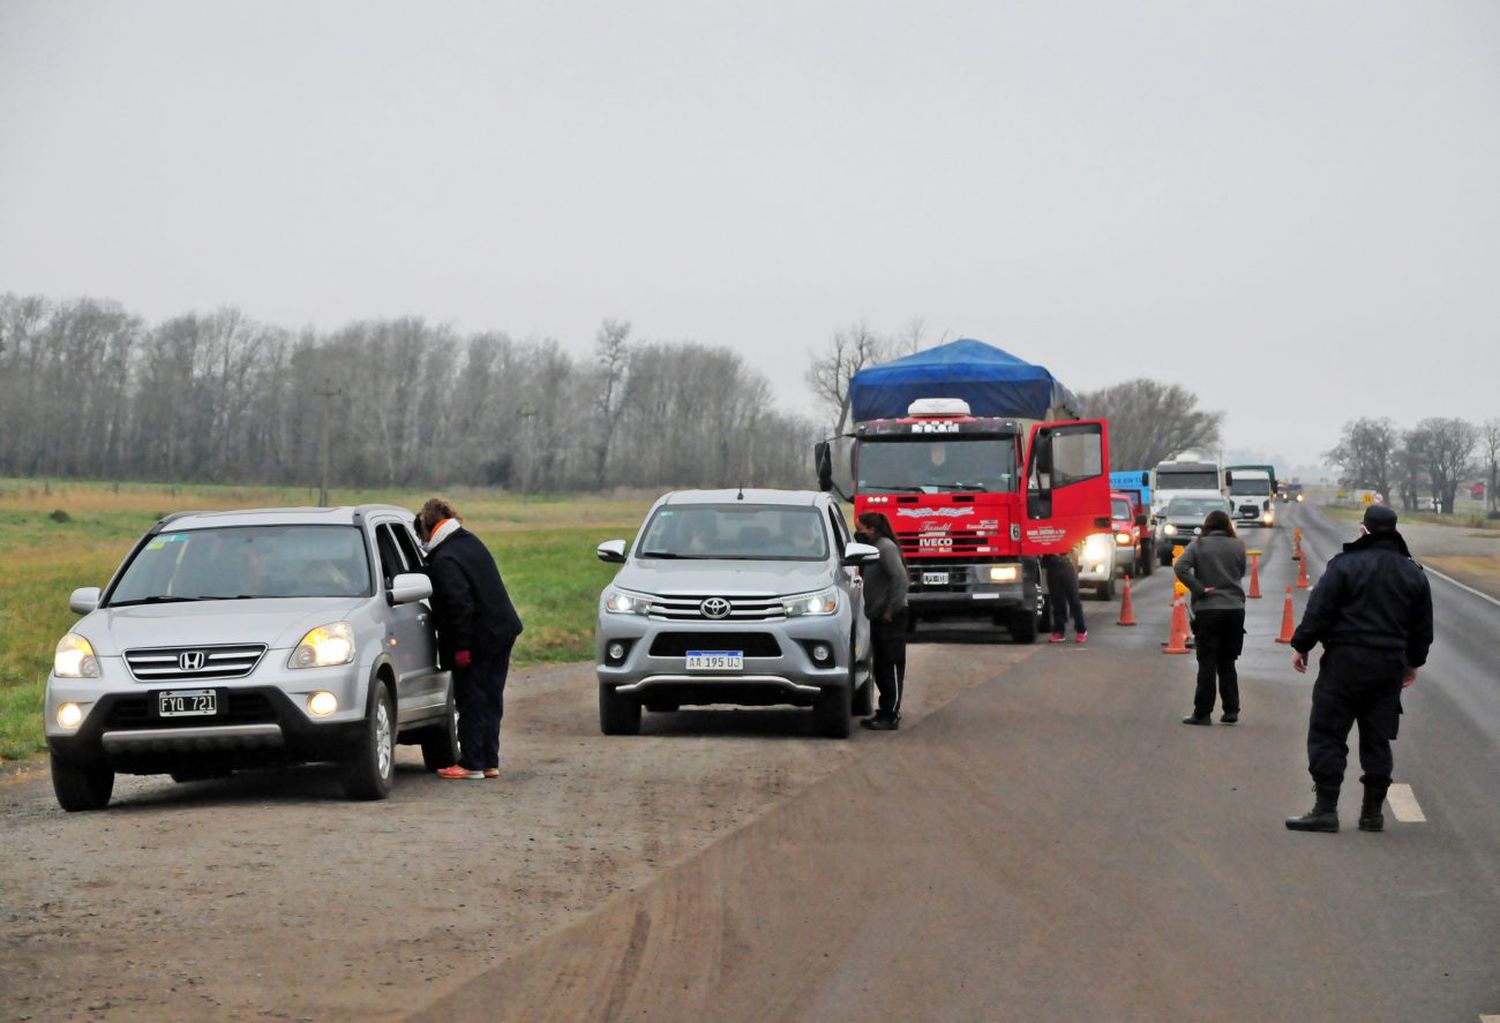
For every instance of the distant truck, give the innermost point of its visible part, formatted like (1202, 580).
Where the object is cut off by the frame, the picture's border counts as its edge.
(1134, 485)
(1187, 475)
(981, 465)
(1252, 492)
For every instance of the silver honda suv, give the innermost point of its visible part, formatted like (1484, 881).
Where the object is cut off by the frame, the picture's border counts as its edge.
(745, 597)
(241, 639)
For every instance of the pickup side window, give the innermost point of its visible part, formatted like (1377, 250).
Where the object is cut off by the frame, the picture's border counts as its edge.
(840, 529)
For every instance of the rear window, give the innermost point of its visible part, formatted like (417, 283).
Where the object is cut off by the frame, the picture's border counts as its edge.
(241, 562)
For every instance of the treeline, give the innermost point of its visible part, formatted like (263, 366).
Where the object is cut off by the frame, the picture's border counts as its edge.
(88, 389)
(1424, 465)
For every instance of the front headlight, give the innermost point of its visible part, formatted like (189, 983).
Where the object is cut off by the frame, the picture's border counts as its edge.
(1169, 529)
(324, 647)
(824, 602)
(1097, 545)
(1124, 539)
(623, 602)
(1004, 573)
(74, 658)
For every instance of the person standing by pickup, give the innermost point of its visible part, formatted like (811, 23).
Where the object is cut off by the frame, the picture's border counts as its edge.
(1211, 567)
(885, 584)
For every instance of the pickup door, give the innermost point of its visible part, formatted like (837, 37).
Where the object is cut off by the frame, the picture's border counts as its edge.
(1067, 485)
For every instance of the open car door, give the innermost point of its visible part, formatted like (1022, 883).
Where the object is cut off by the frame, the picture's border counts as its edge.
(1067, 485)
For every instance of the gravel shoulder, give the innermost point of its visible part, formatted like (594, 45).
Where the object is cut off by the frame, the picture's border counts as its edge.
(268, 896)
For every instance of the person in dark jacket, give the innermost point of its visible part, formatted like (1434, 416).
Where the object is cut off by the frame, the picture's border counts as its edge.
(1372, 611)
(1062, 588)
(885, 586)
(476, 627)
(1211, 567)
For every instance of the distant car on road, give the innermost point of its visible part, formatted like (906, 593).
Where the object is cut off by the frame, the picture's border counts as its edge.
(745, 597)
(1182, 519)
(250, 638)
(1130, 522)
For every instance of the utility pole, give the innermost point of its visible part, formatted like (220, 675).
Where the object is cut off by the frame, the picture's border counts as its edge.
(528, 416)
(327, 392)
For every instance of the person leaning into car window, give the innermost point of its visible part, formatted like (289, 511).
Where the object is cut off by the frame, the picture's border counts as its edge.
(476, 627)
(885, 585)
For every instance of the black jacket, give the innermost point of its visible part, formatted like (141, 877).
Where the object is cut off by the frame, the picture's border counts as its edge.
(469, 603)
(1373, 595)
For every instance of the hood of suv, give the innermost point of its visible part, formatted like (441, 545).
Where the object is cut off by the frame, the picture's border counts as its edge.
(724, 578)
(277, 623)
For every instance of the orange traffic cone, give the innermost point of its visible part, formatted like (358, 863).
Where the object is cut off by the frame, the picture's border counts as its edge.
(1302, 583)
(1288, 622)
(1127, 608)
(1177, 642)
(1297, 545)
(1254, 593)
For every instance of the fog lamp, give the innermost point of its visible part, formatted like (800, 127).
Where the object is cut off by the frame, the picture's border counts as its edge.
(69, 715)
(821, 652)
(616, 651)
(321, 704)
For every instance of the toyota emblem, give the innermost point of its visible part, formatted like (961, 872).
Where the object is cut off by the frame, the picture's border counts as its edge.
(192, 660)
(714, 607)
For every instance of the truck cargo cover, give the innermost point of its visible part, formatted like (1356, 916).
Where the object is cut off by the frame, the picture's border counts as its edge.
(992, 381)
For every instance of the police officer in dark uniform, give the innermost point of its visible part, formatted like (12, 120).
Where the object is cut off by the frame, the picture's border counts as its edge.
(1372, 611)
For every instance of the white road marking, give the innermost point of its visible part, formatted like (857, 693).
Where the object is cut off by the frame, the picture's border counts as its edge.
(1467, 589)
(1404, 808)
(1489, 1019)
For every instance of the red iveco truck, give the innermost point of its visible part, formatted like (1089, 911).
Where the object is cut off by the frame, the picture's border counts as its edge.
(979, 461)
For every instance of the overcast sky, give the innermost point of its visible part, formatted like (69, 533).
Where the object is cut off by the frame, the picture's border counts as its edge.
(1291, 208)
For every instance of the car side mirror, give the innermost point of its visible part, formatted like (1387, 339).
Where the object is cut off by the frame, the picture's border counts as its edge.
(856, 553)
(611, 551)
(84, 600)
(408, 588)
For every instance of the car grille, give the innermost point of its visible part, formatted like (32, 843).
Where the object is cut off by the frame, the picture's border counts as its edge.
(164, 664)
(236, 709)
(743, 609)
(752, 644)
(1250, 509)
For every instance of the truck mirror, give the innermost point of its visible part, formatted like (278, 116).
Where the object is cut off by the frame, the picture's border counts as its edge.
(1228, 478)
(823, 460)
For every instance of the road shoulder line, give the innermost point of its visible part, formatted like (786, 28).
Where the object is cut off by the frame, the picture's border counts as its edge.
(1404, 805)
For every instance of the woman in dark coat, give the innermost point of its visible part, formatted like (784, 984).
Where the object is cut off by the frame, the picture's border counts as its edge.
(885, 586)
(1211, 567)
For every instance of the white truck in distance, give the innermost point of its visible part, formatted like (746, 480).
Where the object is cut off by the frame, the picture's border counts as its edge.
(1187, 475)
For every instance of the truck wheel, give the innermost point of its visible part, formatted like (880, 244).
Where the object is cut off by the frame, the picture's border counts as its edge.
(81, 786)
(440, 742)
(863, 703)
(369, 773)
(1023, 626)
(832, 711)
(618, 715)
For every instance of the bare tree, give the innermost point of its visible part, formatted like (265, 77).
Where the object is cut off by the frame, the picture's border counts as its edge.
(1447, 451)
(1150, 421)
(612, 362)
(1408, 470)
(1489, 438)
(1364, 453)
(847, 352)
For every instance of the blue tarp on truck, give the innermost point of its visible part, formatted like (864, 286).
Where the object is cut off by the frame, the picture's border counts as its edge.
(992, 381)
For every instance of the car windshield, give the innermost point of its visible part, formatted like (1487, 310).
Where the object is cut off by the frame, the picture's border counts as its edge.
(1194, 508)
(1120, 508)
(748, 532)
(929, 466)
(1203, 479)
(241, 562)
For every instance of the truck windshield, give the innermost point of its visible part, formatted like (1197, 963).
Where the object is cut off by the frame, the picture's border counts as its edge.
(241, 562)
(1250, 487)
(1205, 479)
(1120, 509)
(738, 532)
(928, 466)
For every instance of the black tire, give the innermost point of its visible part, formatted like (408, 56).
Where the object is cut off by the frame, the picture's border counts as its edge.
(369, 773)
(618, 715)
(1023, 627)
(81, 786)
(833, 711)
(1106, 590)
(1166, 557)
(440, 742)
(863, 702)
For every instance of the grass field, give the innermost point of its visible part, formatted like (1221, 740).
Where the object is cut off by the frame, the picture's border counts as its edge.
(58, 536)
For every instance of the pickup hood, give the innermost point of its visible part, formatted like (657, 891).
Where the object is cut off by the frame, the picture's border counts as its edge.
(724, 578)
(280, 624)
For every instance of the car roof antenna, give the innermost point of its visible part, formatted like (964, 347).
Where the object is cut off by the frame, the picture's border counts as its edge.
(741, 495)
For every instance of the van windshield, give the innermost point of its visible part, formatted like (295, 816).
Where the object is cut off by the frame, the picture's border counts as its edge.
(241, 562)
(1205, 479)
(930, 466)
(740, 532)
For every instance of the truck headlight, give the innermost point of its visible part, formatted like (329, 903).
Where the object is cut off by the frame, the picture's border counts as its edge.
(74, 658)
(1124, 539)
(623, 602)
(1004, 573)
(324, 647)
(824, 602)
(1169, 529)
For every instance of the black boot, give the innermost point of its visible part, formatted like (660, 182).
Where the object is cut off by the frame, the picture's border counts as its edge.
(1324, 816)
(1370, 817)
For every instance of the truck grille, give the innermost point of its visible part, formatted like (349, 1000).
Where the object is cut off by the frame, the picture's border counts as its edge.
(187, 663)
(751, 644)
(741, 609)
(958, 541)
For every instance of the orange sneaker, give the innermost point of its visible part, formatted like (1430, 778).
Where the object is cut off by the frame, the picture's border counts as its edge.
(456, 771)
(492, 772)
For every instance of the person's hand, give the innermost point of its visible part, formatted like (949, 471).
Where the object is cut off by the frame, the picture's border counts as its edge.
(1299, 662)
(463, 658)
(1408, 678)
(888, 617)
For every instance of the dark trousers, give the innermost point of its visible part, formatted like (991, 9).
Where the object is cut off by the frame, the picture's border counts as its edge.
(1355, 684)
(479, 694)
(1065, 599)
(888, 640)
(1220, 639)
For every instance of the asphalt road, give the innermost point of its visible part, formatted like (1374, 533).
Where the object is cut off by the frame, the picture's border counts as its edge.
(1054, 845)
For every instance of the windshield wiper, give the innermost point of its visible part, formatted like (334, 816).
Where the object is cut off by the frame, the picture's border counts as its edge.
(156, 600)
(963, 486)
(894, 488)
(678, 557)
